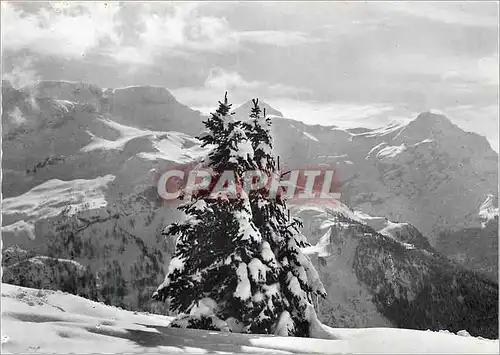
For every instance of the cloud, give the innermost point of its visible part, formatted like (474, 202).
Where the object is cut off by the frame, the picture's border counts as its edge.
(443, 79)
(342, 114)
(480, 14)
(59, 29)
(487, 70)
(482, 70)
(131, 33)
(173, 29)
(136, 33)
(17, 117)
(182, 30)
(275, 38)
(23, 73)
(218, 81)
(72, 30)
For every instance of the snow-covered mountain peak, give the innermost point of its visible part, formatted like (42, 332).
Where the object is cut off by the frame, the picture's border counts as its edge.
(429, 117)
(427, 125)
(437, 127)
(148, 93)
(243, 111)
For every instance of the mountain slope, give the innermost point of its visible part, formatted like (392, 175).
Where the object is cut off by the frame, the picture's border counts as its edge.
(429, 173)
(117, 238)
(381, 276)
(150, 107)
(57, 138)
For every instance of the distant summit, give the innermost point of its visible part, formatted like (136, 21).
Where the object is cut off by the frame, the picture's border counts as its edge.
(244, 110)
(429, 119)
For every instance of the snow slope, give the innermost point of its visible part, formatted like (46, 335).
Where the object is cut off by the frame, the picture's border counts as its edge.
(56, 322)
(488, 211)
(50, 199)
(169, 146)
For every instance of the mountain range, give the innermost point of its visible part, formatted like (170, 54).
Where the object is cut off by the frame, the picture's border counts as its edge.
(416, 225)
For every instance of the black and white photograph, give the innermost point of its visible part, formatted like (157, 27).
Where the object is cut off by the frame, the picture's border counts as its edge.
(241, 177)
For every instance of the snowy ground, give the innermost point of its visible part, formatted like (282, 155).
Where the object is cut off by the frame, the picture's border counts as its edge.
(56, 322)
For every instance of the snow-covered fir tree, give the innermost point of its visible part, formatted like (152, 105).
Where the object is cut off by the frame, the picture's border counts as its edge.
(298, 280)
(220, 276)
(238, 263)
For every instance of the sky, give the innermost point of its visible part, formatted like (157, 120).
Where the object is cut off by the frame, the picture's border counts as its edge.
(350, 64)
